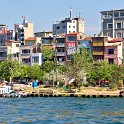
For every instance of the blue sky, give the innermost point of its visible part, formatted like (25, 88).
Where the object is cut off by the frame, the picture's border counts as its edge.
(44, 12)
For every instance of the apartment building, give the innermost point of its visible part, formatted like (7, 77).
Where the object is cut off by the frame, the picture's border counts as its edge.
(113, 52)
(30, 55)
(107, 49)
(32, 41)
(112, 23)
(5, 33)
(66, 46)
(24, 30)
(69, 25)
(98, 48)
(46, 37)
(11, 47)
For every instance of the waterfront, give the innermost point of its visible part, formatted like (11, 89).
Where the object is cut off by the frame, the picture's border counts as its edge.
(61, 110)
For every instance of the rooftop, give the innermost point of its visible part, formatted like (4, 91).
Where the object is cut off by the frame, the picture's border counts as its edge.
(30, 38)
(112, 11)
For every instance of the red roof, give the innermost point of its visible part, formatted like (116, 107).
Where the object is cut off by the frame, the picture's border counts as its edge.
(115, 40)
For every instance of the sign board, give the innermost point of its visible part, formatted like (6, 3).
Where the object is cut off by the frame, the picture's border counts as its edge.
(71, 50)
(71, 44)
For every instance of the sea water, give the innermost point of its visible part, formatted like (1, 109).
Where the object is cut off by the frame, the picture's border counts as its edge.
(61, 110)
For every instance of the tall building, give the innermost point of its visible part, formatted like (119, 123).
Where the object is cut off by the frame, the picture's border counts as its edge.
(69, 25)
(67, 45)
(23, 31)
(112, 23)
(5, 34)
(107, 49)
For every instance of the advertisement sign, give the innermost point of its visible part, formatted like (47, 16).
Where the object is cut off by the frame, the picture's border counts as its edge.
(71, 50)
(71, 44)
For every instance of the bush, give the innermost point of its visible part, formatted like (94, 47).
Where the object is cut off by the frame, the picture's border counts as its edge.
(120, 83)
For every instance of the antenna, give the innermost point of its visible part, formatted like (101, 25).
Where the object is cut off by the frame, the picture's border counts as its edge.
(79, 15)
(70, 12)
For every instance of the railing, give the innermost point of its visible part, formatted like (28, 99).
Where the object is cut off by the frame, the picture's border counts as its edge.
(60, 45)
(61, 54)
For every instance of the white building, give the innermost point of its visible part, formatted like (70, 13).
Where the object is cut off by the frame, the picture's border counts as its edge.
(69, 25)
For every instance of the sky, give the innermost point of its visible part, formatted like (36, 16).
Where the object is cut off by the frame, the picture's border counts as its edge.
(43, 13)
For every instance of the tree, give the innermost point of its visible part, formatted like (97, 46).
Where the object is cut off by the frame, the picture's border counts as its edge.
(117, 74)
(48, 66)
(9, 69)
(48, 53)
(35, 72)
(81, 63)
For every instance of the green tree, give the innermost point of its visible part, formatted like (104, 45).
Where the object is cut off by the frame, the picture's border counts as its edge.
(81, 63)
(48, 53)
(35, 72)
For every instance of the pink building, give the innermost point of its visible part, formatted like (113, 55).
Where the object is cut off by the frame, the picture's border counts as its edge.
(113, 51)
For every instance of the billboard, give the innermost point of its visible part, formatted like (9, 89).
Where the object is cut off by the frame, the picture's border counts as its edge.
(71, 48)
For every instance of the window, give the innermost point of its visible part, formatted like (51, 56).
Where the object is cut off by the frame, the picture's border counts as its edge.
(25, 51)
(97, 49)
(121, 13)
(118, 35)
(69, 26)
(104, 16)
(111, 61)
(60, 40)
(17, 45)
(109, 25)
(69, 31)
(72, 38)
(111, 51)
(63, 26)
(61, 59)
(60, 50)
(73, 21)
(26, 60)
(57, 27)
(35, 60)
(116, 14)
(69, 57)
(73, 26)
(73, 31)
(118, 25)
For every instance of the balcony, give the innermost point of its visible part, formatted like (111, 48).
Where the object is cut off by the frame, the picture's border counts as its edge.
(60, 45)
(98, 44)
(98, 53)
(61, 62)
(3, 58)
(61, 54)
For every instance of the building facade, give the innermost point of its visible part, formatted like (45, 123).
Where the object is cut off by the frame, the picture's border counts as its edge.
(68, 25)
(23, 31)
(112, 23)
(98, 48)
(66, 46)
(32, 41)
(107, 49)
(30, 55)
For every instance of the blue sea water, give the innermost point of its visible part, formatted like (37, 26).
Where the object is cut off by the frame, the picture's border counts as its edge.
(61, 110)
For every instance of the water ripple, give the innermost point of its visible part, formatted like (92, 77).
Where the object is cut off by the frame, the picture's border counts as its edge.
(62, 110)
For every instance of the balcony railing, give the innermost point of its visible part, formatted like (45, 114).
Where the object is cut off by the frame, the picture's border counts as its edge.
(61, 62)
(98, 53)
(61, 54)
(60, 45)
(98, 44)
